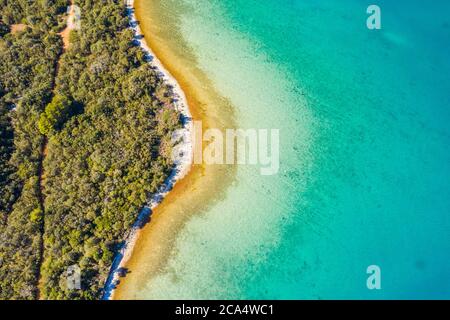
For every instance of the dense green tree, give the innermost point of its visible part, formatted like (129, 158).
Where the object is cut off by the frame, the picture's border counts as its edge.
(56, 113)
(107, 116)
(27, 69)
(4, 28)
(8, 185)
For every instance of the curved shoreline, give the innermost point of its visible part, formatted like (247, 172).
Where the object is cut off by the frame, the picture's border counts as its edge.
(180, 170)
(205, 185)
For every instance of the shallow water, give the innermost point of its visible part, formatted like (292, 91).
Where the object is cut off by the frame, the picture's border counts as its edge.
(364, 156)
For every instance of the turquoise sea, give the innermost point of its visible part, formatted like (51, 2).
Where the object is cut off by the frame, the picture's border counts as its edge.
(364, 160)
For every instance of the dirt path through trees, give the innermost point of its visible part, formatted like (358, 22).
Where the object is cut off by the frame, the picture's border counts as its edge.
(71, 23)
(65, 35)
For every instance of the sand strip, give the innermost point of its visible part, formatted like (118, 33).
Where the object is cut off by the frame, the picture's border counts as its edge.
(181, 168)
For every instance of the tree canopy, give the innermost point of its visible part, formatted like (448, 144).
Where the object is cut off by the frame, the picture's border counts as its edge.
(56, 113)
(103, 115)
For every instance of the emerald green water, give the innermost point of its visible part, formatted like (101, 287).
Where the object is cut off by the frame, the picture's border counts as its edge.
(364, 156)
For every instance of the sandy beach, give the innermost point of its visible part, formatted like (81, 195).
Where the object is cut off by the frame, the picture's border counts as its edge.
(181, 169)
(193, 194)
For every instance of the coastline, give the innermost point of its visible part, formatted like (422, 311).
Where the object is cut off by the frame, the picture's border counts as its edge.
(180, 170)
(206, 185)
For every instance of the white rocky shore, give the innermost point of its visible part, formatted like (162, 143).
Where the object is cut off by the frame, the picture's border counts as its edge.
(182, 167)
